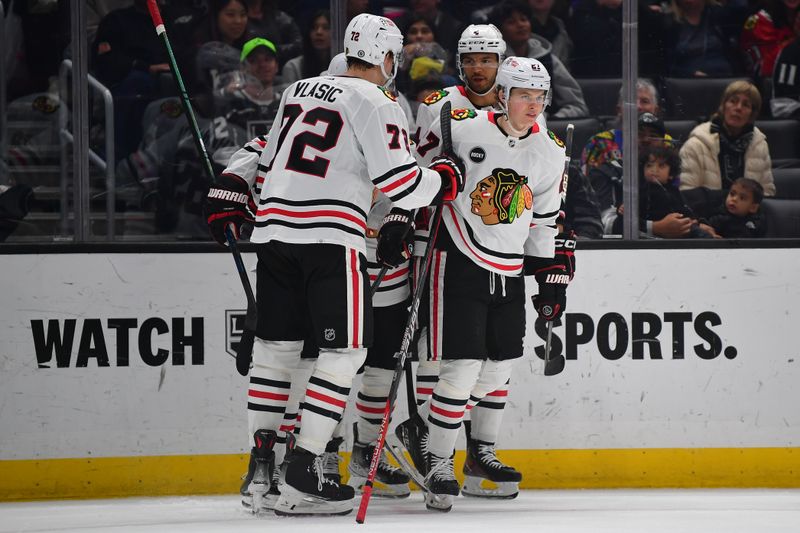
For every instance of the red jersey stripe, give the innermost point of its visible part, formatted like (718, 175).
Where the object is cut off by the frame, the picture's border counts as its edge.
(313, 214)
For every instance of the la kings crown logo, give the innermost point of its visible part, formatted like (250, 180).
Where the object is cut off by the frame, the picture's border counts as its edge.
(234, 327)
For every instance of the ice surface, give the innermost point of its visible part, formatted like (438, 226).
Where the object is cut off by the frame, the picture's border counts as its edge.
(617, 511)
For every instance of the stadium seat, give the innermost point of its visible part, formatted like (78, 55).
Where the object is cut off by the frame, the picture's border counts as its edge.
(782, 218)
(787, 183)
(679, 129)
(693, 98)
(584, 129)
(601, 95)
(783, 137)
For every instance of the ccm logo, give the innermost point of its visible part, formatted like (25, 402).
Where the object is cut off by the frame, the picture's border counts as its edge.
(569, 244)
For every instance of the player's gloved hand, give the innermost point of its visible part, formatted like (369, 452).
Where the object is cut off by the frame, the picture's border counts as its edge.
(396, 238)
(227, 203)
(553, 278)
(565, 251)
(453, 172)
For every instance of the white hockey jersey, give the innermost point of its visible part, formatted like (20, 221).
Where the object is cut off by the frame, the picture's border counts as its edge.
(511, 198)
(428, 112)
(333, 141)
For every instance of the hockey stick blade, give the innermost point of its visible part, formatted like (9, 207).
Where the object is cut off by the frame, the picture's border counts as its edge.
(555, 365)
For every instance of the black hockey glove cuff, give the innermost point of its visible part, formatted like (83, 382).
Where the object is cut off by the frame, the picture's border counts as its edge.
(227, 203)
(565, 252)
(395, 238)
(453, 172)
(553, 278)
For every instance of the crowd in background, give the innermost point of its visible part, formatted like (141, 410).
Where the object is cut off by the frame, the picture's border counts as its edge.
(237, 56)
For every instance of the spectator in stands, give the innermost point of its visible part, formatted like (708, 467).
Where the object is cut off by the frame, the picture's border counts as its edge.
(446, 28)
(127, 55)
(606, 146)
(550, 27)
(513, 18)
(422, 55)
(582, 208)
(729, 146)
(251, 101)
(785, 101)
(596, 31)
(662, 210)
(702, 39)
(221, 40)
(766, 33)
(739, 216)
(269, 22)
(316, 50)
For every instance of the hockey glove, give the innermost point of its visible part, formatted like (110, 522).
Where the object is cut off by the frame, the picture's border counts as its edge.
(565, 252)
(227, 203)
(395, 239)
(553, 279)
(453, 172)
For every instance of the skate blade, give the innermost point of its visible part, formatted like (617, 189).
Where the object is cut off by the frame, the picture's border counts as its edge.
(439, 502)
(265, 503)
(478, 487)
(380, 490)
(292, 502)
(398, 451)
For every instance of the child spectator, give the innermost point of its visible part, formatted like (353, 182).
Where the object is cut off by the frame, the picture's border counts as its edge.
(660, 202)
(739, 215)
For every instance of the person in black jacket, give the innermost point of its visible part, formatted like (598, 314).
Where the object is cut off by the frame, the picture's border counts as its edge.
(739, 216)
(660, 197)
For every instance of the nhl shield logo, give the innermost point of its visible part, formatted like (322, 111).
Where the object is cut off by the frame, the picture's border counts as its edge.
(329, 334)
(234, 326)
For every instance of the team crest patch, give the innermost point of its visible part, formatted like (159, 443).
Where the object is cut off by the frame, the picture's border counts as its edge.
(555, 138)
(388, 94)
(502, 197)
(44, 104)
(171, 108)
(750, 23)
(462, 114)
(435, 96)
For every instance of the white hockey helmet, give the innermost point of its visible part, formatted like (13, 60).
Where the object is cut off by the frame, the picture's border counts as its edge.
(370, 37)
(337, 66)
(523, 73)
(480, 38)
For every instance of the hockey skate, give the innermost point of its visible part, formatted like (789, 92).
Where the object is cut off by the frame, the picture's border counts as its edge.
(411, 437)
(259, 489)
(441, 483)
(331, 459)
(306, 491)
(390, 482)
(485, 476)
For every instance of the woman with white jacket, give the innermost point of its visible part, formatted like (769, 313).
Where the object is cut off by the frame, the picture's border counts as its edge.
(728, 146)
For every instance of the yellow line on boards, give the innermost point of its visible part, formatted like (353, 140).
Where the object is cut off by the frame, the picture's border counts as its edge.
(108, 477)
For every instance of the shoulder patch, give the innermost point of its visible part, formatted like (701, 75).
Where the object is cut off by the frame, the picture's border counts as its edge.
(750, 23)
(172, 108)
(387, 93)
(461, 114)
(44, 104)
(435, 96)
(555, 138)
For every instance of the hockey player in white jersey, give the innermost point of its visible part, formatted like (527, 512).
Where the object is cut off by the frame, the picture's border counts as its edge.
(333, 141)
(503, 226)
(481, 49)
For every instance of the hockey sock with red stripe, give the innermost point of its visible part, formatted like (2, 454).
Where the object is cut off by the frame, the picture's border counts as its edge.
(371, 402)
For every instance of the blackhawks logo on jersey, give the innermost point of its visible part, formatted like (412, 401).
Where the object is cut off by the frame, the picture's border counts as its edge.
(555, 138)
(461, 114)
(386, 92)
(501, 197)
(435, 96)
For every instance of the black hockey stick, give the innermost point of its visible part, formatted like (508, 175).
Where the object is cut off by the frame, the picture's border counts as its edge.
(408, 336)
(245, 349)
(556, 364)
